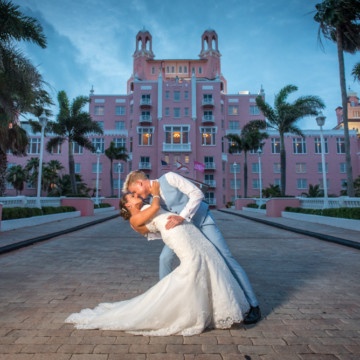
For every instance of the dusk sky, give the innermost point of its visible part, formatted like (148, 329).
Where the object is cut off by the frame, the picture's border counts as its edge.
(263, 43)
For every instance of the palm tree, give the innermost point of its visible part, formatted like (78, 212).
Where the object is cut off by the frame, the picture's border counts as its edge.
(339, 22)
(72, 125)
(16, 176)
(250, 139)
(283, 118)
(50, 178)
(115, 153)
(21, 85)
(356, 72)
(32, 170)
(314, 191)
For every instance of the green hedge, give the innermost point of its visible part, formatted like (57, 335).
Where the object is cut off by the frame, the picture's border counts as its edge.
(102, 205)
(23, 212)
(346, 213)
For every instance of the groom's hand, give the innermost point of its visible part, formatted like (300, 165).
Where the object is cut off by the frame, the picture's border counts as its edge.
(173, 220)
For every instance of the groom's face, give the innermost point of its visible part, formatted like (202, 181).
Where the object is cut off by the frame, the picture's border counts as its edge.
(139, 189)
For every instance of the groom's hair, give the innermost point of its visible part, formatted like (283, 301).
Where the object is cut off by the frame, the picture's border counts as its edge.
(132, 177)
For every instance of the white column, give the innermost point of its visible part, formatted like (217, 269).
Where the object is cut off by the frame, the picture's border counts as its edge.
(98, 152)
(321, 121)
(119, 167)
(259, 151)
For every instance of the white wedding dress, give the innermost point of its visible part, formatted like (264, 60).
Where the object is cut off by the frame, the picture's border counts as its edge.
(200, 293)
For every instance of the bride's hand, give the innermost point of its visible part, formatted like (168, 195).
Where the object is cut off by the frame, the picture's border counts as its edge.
(155, 188)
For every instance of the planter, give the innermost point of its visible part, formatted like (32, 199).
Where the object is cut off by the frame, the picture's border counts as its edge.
(7, 225)
(325, 220)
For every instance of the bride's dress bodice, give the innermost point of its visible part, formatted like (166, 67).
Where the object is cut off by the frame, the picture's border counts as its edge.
(201, 292)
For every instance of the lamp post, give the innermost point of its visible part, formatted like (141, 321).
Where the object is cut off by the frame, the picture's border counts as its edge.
(259, 152)
(98, 153)
(43, 121)
(321, 121)
(235, 180)
(119, 168)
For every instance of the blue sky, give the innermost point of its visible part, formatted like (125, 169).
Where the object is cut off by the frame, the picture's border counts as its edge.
(262, 42)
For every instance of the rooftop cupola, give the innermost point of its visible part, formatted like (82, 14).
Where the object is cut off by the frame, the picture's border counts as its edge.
(209, 43)
(144, 44)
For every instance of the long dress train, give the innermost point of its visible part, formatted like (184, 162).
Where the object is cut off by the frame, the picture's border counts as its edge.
(200, 293)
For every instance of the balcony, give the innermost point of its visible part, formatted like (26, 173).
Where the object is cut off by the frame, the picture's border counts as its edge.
(145, 102)
(145, 118)
(210, 166)
(176, 147)
(208, 118)
(210, 183)
(207, 102)
(144, 166)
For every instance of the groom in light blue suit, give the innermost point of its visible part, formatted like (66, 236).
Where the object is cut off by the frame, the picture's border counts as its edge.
(185, 200)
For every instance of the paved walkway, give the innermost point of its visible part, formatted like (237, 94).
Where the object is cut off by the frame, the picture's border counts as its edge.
(309, 292)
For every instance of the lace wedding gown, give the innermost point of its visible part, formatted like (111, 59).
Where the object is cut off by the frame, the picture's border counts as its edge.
(200, 293)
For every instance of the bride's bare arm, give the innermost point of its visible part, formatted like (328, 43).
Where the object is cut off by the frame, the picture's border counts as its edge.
(139, 220)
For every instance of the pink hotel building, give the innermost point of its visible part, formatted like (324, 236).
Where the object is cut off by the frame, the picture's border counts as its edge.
(175, 115)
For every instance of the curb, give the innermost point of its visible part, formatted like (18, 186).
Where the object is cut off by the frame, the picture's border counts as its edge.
(24, 243)
(328, 238)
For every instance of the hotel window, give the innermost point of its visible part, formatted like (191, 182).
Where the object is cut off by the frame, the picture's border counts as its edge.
(176, 112)
(167, 94)
(101, 124)
(145, 99)
(233, 110)
(176, 95)
(254, 110)
(340, 145)
(94, 168)
(167, 111)
(77, 149)
(177, 134)
(276, 168)
(317, 141)
(120, 110)
(300, 168)
(145, 136)
(180, 69)
(277, 182)
(207, 99)
(208, 136)
(131, 108)
(319, 166)
(145, 116)
(120, 125)
(185, 69)
(208, 115)
(119, 142)
(255, 168)
(343, 168)
(186, 111)
(99, 110)
(153, 70)
(275, 145)
(173, 69)
(301, 184)
(299, 146)
(234, 125)
(56, 149)
(200, 70)
(168, 69)
(98, 143)
(186, 95)
(234, 168)
(34, 146)
(256, 184)
(77, 168)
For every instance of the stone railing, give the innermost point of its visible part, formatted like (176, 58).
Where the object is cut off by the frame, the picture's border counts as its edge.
(332, 203)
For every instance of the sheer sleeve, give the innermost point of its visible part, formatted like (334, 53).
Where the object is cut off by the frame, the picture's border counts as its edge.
(154, 234)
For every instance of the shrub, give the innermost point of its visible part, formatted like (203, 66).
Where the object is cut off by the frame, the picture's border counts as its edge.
(345, 213)
(24, 212)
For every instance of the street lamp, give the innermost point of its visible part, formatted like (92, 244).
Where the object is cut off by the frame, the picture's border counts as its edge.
(43, 121)
(321, 121)
(235, 180)
(259, 152)
(119, 168)
(98, 153)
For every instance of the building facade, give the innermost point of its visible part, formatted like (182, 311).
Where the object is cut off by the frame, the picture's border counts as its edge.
(175, 116)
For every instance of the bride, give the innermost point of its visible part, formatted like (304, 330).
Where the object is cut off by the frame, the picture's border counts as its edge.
(200, 293)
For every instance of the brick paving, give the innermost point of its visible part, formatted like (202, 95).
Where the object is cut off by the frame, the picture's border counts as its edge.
(309, 292)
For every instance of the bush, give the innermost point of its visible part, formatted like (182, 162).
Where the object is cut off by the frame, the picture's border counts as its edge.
(345, 213)
(102, 205)
(24, 212)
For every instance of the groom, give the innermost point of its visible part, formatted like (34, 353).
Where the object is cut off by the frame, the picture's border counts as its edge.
(182, 198)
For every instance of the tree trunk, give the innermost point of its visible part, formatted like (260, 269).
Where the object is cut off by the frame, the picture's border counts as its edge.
(3, 167)
(350, 181)
(72, 169)
(282, 165)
